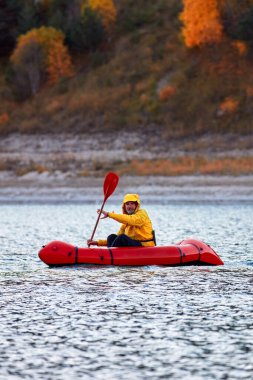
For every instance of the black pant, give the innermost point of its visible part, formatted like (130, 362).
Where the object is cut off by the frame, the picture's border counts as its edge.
(122, 240)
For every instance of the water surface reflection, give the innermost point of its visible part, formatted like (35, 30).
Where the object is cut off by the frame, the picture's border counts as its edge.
(124, 323)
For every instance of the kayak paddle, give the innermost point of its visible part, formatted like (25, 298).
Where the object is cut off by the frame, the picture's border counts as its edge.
(110, 184)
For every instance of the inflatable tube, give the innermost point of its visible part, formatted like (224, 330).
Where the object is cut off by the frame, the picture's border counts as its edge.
(187, 252)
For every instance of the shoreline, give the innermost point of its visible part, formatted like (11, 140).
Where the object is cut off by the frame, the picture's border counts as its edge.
(56, 188)
(70, 168)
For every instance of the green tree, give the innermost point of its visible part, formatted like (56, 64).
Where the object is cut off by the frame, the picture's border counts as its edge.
(85, 33)
(62, 13)
(245, 27)
(57, 20)
(9, 13)
(28, 18)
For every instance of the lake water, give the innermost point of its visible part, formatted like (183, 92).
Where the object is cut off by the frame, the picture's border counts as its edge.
(124, 322)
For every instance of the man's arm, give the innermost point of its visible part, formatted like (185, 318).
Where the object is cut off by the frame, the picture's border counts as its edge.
(137, 219)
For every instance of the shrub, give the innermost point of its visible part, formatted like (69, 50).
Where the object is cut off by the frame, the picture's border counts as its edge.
(167, 92)
(249, 91)
(229, 105)
(4, 118)
(241, 47)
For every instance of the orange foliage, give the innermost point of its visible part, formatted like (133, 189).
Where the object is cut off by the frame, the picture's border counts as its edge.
(105, 9)
(59, 63)
(4, 119)
(234, 166)
(167, 92)
(241, 47)
(46, 3)
(44, 36)
(189, 165)
(181, 166)
(57, 59)
(249, 91)
(144, 98)
(229, 105)
(201, 21)
(54, 106)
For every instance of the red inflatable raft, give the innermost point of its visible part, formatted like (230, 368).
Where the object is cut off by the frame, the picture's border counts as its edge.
(187, 252)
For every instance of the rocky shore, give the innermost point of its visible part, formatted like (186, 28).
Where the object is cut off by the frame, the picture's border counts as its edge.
(66, 168)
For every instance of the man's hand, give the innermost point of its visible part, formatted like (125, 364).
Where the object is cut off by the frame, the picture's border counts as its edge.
(91, 242)
(105, 213)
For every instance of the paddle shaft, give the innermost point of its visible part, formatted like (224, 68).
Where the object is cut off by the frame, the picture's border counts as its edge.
(93, 233)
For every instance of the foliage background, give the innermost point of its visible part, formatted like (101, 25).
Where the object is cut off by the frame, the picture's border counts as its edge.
(127, 65)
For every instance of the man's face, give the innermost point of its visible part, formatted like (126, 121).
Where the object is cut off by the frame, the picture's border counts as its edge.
(130, 207)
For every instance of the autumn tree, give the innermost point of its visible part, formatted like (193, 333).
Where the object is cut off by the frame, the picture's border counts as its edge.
(39, 54)
(105, 9)
(59, 62)
(201, 22)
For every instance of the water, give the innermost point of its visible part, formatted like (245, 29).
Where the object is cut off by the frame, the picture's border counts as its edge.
(126, 323)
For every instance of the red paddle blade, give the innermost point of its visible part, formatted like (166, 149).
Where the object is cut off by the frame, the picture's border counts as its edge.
(110, 184)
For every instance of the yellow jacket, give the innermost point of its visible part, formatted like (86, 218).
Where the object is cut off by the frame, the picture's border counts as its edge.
(137, 226)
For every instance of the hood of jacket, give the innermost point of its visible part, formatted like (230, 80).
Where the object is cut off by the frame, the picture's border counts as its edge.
(131, 198)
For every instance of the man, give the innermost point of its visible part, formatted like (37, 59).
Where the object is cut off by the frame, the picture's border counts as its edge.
(136, 228)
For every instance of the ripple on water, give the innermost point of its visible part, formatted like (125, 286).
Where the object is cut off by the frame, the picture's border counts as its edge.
(125, 323)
